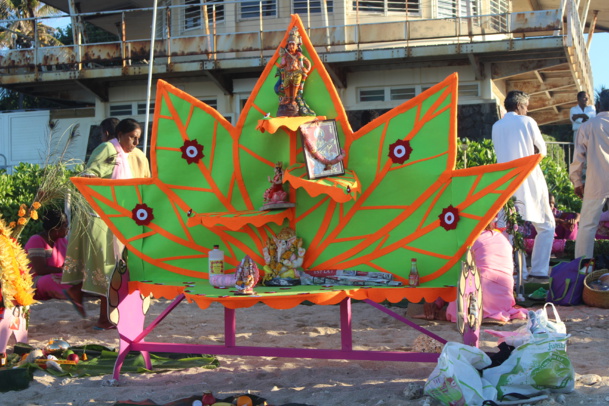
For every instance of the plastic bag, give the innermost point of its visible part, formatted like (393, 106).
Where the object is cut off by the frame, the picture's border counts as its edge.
(456, 381)
(537, 322)
(542, 363)
(540, 360)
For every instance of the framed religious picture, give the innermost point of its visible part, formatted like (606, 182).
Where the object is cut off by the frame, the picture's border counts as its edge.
(322, 152)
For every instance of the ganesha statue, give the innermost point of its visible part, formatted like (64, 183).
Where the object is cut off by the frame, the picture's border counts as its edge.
(284, 256)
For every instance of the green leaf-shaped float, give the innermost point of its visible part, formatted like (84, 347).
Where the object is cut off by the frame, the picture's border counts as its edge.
(401, 196)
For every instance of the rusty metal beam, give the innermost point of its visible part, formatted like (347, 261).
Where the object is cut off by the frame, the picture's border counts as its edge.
(222, 80)
(540, 78)
(338, 75)
(506, 69)
(477, 66)
(97, 89)
(549, 116)
(540, 103)
(591, 30)
(532, 86)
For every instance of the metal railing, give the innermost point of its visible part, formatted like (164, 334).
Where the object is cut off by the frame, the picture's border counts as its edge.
(179, 39)
(561, 152)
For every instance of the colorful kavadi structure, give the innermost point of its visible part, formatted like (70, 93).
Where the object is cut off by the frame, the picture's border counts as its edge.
(399, 198)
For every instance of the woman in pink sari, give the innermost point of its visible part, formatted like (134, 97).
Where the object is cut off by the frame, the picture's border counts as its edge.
(492, 253)
(46, 252)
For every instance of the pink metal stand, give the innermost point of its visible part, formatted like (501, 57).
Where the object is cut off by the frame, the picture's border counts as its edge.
(132, 334)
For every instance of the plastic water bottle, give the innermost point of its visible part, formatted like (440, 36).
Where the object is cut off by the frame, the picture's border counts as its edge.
(216, 261)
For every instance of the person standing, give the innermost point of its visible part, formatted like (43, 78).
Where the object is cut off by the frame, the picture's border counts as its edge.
(93, 252)
(591, 152)
(580, 113)
(516, 136)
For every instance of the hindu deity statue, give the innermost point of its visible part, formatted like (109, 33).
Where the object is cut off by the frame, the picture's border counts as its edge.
(284, 256)
(293, 70)
(247, 276)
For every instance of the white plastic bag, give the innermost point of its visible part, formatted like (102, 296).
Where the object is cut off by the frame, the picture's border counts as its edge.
(538, 322)
(456, 381)
(540, 364)
(540, 360)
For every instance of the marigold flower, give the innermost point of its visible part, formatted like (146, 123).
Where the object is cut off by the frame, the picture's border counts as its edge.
(22, 221)
(12, 224)
(34, 215)
(21, 212)
(36, 205)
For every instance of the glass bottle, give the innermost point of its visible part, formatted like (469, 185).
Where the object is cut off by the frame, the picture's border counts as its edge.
(413, 278)
(590, 267)
(208, 398)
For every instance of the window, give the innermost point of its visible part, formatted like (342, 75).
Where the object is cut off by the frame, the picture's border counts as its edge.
(404, 93)
(315, 6)
(387, 94)
(192, 12)
(384, 6)
(458, 8)
(371, 95)
(255, 9)
(121, 110)
(499, 8)
(130, 109)
(141, 108)
(215, 7)
(213, 103)
(468, 90)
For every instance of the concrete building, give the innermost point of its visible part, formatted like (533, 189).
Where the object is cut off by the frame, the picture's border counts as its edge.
(378, 52)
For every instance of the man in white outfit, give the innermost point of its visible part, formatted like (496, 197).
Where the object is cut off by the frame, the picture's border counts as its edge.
(580, 113)
(591, 151)
(516, 136)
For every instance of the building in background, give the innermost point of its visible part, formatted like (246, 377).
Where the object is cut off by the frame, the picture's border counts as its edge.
(379, 54)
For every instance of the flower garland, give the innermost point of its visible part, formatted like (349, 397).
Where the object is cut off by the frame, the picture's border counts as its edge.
(15, 279)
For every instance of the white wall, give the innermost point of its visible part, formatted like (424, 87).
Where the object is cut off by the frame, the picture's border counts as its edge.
(27, 137)
(24, 137)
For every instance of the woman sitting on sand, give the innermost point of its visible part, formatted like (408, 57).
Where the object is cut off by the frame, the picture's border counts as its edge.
(492, 254)
(46, 252)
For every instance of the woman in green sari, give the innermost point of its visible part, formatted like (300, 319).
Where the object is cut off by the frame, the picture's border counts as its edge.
(92, 248)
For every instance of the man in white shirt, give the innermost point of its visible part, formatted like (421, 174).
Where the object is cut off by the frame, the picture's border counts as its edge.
(516, 136)
(580, 113)
(591, 152)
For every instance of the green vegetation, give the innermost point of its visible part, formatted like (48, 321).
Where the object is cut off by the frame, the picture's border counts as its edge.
(21, 188)
(553, 167)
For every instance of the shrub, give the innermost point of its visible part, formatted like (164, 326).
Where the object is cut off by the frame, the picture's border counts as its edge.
(20, 188)
(553, 168)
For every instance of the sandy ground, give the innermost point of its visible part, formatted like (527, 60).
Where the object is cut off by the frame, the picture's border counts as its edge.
(281, 380)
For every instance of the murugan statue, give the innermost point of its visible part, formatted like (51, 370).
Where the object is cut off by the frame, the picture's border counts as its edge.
(284, 256)
(293, 69)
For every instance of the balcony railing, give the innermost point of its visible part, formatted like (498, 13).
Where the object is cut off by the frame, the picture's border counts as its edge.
(179, 39)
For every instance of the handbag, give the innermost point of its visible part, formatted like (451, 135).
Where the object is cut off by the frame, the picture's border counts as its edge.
(567, 282)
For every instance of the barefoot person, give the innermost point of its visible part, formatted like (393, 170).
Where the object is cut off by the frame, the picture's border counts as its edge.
(46, 252)
(91, 255)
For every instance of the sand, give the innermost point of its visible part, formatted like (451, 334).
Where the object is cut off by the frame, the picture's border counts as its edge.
(282, 380)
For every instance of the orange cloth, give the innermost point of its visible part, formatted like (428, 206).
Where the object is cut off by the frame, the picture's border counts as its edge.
(271, 125)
